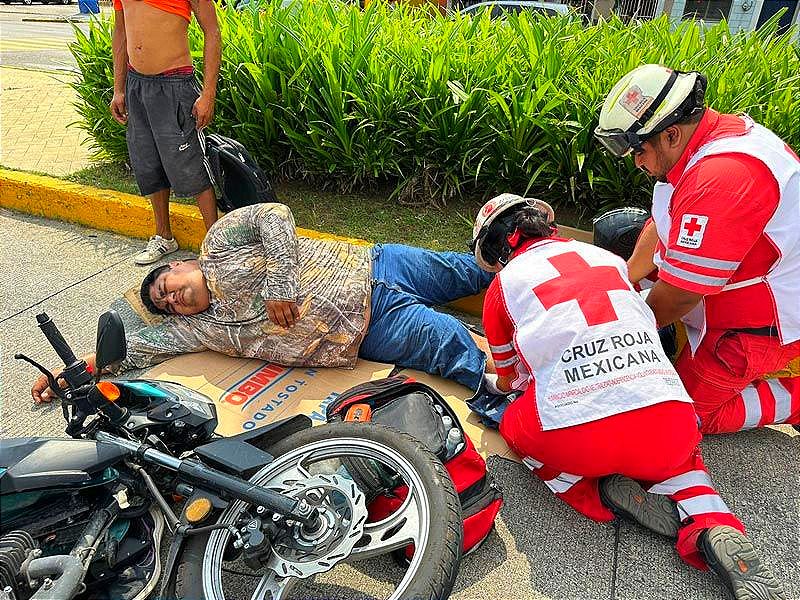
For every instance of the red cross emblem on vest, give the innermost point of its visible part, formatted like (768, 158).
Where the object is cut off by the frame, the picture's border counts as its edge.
(577, 280)
(692, 226)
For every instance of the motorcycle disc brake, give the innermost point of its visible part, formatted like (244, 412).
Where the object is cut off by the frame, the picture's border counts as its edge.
(301, 551)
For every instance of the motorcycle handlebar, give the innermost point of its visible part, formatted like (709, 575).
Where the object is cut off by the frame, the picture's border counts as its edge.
(56, 340)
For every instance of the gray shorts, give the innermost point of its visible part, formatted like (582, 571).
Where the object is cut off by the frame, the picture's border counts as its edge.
(166, 151)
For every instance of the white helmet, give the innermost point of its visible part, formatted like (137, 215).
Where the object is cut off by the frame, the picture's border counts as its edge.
(645, 102)
(490, 212)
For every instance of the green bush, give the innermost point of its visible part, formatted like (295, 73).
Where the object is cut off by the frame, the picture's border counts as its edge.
(446, 106)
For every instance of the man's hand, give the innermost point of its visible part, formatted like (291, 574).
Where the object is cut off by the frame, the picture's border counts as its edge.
(504, 383)
(670, 303)
(118, 110)
(206, 14)
(119, 49)
(41, 391)
(283, 312)
(640, 264)
(203, 110)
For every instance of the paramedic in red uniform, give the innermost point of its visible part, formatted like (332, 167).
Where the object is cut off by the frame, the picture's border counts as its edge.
(603, 418)
(157, 98)
(725, 238)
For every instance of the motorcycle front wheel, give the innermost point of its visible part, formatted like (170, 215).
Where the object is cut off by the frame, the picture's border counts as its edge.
(319, 465)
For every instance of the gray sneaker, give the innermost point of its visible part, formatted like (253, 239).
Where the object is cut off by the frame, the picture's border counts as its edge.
(626, 498)
(733, 558)
(156, 248)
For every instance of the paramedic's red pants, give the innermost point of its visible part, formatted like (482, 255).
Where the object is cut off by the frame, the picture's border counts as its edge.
(724, 378)
(656, 445)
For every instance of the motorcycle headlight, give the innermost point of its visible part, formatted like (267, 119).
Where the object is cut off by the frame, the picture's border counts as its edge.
(192, 399)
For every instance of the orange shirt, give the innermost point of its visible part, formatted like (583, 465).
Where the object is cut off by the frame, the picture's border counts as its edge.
(176, 7)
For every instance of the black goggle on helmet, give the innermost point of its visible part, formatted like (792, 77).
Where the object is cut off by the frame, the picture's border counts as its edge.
(621, 142)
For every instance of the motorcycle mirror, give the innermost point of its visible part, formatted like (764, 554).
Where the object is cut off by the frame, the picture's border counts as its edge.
(111, 346)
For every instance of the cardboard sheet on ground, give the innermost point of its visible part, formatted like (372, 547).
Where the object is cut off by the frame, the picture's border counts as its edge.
(249, 393)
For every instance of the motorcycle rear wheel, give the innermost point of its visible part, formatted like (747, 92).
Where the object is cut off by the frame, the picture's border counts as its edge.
(430, 518)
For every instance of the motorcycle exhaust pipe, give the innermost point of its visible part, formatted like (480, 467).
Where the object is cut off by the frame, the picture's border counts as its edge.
(67, 570)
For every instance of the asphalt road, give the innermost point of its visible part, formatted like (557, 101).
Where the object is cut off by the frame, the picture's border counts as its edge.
(541, 549)
(27, 42)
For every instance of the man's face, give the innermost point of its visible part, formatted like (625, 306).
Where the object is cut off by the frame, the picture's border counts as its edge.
(652, 159)
(181, 289)
(661, 152)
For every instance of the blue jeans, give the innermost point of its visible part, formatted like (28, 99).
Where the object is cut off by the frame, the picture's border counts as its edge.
(404, 330)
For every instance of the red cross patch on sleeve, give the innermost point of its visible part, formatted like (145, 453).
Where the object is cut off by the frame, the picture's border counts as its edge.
(692, 229)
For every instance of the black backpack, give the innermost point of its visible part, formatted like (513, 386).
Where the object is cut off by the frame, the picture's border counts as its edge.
(237, 176)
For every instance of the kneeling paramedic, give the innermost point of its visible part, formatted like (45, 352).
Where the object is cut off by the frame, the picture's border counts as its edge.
(603, 418)
(725, 238)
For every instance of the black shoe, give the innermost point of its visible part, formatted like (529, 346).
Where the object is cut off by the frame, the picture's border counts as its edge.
(626, 498)
(733, 558)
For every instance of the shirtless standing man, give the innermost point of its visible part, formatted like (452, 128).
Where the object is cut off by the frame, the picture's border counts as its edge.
(156, 95)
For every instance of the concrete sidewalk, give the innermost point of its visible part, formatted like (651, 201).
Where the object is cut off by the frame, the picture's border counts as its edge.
(36, 116)
(541, 548)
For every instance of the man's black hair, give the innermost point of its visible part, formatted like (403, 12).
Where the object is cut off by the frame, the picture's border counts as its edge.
(144, 290)
(531, 222)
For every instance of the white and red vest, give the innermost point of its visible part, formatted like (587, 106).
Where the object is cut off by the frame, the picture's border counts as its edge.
(586, 337)
(783, 279)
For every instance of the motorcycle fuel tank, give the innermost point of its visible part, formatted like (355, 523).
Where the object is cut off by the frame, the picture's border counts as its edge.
(35, 463)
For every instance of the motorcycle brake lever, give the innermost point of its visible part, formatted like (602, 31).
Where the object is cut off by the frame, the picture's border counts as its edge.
(51, 381)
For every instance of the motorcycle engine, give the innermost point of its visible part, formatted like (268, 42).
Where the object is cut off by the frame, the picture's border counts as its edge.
(15, 548)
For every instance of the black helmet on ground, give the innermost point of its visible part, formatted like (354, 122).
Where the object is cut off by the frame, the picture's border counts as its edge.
(617, 230)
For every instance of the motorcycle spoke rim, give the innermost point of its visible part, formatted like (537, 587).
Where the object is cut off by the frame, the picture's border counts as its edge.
(409, 524)
(273, 587)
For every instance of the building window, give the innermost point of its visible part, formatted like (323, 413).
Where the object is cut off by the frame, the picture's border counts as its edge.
(714, 10)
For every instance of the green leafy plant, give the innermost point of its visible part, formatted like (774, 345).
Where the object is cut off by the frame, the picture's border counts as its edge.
(444, 106)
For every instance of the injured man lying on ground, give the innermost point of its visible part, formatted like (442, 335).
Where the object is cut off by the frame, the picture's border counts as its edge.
(257, 290)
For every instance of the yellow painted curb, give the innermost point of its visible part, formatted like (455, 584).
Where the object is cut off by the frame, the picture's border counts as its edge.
(132, 216)
(108, 210)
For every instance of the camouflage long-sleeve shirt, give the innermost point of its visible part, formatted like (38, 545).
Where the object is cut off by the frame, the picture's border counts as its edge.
(253, 255)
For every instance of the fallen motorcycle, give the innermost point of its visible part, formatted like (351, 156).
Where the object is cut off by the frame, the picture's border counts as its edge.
(266, 514)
